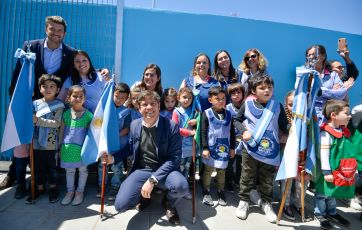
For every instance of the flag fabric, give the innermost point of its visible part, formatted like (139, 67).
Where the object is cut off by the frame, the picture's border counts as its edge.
(103, 133)
(304, 132)
(19, 121)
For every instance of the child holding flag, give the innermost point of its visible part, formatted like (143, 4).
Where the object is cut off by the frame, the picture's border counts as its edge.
(47, 119)
(74, 128)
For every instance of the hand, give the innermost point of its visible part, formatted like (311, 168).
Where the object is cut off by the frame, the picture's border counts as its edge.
(192, 122)
(206, 154)
(105, 74)
(147, 189)
(232, 153)
(349, 83)
(192, 133)
(337, 86)
(329, 178)
(246, 136)
(35, 119)
(107, 158)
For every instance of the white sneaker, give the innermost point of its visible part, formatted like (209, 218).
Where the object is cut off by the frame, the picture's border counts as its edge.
(356, 204)
(255, 197)
(78, 199)
(241, 211)
(68, 198)
(268, 210)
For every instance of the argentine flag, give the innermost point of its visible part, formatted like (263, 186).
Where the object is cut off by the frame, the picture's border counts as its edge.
(103, 133)
(19, 122)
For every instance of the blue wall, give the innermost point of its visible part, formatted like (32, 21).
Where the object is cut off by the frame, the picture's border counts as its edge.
(172, 40)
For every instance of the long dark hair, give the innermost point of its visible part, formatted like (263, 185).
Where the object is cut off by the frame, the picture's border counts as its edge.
(217, 71)
(158, 88)
(91, 75)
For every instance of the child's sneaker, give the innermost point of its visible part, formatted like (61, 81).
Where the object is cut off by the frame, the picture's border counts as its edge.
(222, 199)
(78, 198)
(268, 210)
(53, 195)
(241, 211)
(288, 213)
(324, 223)
(113, 193)
(20, 191)
(355, 204)
(338, 219)
(207, 199)
(255, 197)
(38, 193)
(68, 198)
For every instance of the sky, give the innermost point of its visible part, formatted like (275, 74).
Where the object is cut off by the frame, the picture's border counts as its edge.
(337, 15)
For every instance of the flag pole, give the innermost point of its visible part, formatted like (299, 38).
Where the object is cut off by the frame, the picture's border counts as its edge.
(32, 173)
(285, 193)
(193, 181)
(104, 165)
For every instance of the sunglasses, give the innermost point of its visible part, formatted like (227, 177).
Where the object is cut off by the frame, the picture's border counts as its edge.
(251, 56)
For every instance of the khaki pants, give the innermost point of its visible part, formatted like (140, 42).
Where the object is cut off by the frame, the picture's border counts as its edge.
(206, 178)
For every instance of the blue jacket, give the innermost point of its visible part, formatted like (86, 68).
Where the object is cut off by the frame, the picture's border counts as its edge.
(169, 146)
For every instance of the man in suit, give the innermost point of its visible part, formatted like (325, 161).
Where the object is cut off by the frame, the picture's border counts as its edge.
(156, 146)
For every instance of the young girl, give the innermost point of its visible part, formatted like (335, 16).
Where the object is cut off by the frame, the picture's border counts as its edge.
(184, 116)
(74, 127)
(168, 102)
(236, 93)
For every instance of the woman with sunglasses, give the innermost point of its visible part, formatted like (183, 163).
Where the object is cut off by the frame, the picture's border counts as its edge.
(151, 79)
(200, 81)
(254, 63)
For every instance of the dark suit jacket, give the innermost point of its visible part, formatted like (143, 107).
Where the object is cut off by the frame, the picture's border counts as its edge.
(37, 47)
(169, 146)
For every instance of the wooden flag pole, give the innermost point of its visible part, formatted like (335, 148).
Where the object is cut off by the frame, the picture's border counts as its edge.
(104, 165)
(32, 173)
(285, 193)
(194, 182)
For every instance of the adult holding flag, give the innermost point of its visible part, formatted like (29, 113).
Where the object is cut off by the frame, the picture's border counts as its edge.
(156, 145)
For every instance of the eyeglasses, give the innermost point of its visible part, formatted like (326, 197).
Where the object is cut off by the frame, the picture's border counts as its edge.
(150, 74)
(251, 56)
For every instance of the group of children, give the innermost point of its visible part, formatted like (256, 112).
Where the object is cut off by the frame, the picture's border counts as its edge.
(246, 129)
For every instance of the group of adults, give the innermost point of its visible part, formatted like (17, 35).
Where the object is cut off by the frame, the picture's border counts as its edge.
(164, 148)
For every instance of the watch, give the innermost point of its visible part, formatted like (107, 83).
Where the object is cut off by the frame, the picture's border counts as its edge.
(153, 181)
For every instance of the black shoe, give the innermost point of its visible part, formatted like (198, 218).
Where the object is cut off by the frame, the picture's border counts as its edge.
(338, 219)
(288, 213)
(325, 224)
(172, 216)
(144, 203)
(38, 193)
(7, 182)
(229, 187)
(20, 192)
(53, 195)
(113, 193)
(222, 199)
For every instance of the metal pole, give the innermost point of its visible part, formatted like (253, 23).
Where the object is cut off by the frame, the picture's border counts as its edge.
(119, 40)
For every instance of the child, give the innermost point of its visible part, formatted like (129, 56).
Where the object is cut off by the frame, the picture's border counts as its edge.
(120, 96)
(261, 157)
(21, 157)
(236, 92)
(335, 157)
(168, 102)
(185, 117)
(74, 128)
(47, 119)
(218, 144)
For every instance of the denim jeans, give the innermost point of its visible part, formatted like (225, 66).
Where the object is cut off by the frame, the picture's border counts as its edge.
(117, 170)
(324, 205)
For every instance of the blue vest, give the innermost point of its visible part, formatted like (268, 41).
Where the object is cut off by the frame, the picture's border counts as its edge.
(267, 150)
(238, 143)
(218, 135)
(183, 116)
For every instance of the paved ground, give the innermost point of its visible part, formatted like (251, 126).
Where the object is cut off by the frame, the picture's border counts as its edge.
(15, 214)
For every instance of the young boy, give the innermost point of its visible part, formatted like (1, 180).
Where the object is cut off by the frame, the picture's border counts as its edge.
(218, 144)
(334, 138)
(120, 96)
(259, 120)
(47, 119)
(236, 92)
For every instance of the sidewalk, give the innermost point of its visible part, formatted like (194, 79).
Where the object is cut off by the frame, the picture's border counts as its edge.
(15, 214)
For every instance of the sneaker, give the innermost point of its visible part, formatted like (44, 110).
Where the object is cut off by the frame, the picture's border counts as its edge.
(355, 204)
(38, 193)
(188, 196)
(20, 192)
(7, 182)
(53, 195)
(255, 197)
(78, 198)
(222, 199)
(241, 211)
(324, 223)
(207, 199)
(268, 210)
(113, 193)
(68, 198)
(288, 213)
(338, 219)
